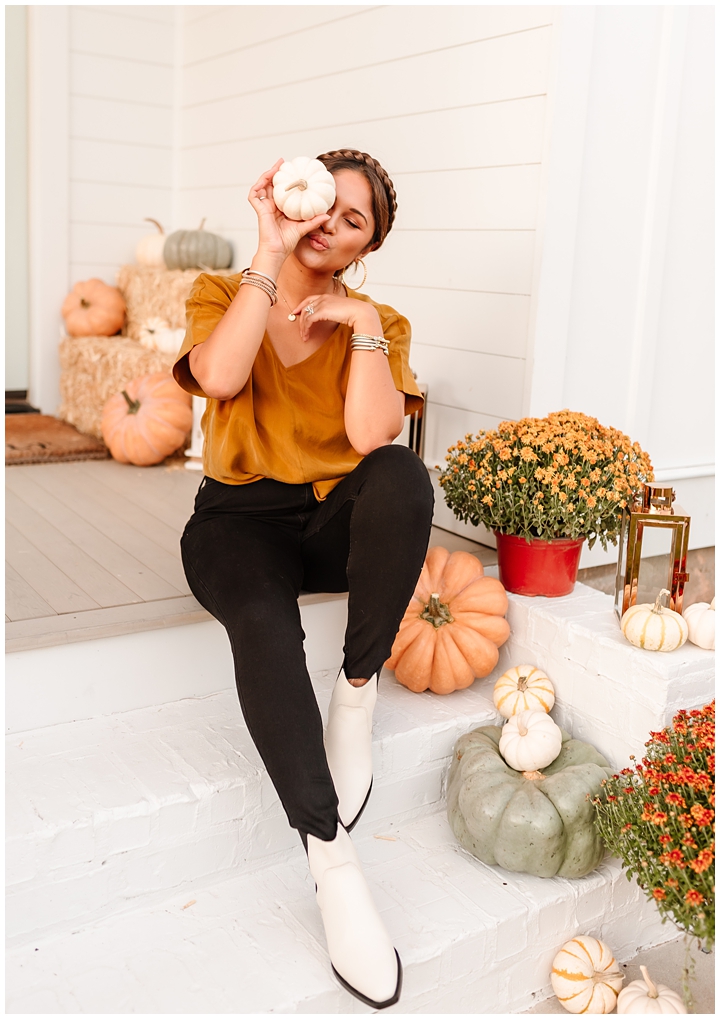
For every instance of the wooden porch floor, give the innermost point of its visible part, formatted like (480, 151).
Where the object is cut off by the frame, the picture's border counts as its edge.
(92, 550)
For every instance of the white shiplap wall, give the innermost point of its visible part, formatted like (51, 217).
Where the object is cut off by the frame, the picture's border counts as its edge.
(452, 101)
(121, 71)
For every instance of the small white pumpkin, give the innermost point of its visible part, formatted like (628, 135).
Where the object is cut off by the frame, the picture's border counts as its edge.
(644, 997)
(700, 619)
(530, 740)
(303, 188)
(149, 250)
(523, 688)
(654, 627)
(156, 334)
(585, 976)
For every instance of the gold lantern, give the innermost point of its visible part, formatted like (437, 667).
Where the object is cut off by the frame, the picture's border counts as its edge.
(653, 550)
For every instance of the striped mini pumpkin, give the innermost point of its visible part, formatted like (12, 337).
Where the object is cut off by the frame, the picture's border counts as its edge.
(585, 976)
(523, 688)
(653, 627)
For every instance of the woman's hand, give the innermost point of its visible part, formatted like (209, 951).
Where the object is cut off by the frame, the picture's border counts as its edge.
(278, 235)
(359, 315)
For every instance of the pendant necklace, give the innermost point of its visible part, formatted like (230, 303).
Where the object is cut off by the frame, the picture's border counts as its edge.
(291, 317)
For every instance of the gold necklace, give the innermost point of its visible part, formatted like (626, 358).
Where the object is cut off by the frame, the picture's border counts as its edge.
(291, 317)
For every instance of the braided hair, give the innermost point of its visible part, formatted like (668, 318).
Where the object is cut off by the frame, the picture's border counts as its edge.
(384, 199)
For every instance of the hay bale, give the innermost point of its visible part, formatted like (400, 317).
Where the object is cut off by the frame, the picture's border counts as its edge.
(150, 292)
(94, 368)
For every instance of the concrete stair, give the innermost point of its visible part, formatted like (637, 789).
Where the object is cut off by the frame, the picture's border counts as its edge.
(151, 868)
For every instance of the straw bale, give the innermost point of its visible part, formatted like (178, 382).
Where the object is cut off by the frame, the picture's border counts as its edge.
(150, 292)
(94, 368)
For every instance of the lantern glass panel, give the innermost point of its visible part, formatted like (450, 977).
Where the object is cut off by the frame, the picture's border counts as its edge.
(656, 562)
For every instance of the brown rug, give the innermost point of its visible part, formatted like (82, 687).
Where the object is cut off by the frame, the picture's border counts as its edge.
(39, 438)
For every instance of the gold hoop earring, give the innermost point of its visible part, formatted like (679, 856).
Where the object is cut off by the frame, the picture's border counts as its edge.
(355, 263)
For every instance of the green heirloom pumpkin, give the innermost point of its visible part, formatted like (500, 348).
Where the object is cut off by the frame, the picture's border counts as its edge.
(197, 249)
(532, 822)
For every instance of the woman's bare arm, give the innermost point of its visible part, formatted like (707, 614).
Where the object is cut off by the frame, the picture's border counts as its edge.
(374, 409)
(222, 364)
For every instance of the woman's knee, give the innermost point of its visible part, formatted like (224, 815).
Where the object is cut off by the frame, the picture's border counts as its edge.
(401, 476)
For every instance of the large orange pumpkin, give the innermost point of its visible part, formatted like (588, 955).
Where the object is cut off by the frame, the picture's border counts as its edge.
(148, 420)
(93, 308)
(453, 627)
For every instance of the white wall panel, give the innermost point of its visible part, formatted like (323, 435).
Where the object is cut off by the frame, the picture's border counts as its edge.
(115, 121)
(504, 198)
(362, 42)
(509, 67)
(92, 202)
(124, 79)
(120, 163)
(102, 243)
(444, 426)
(141, 12)
(93, 270)
(684, 373)
(235, 27)
(464, 320)
(493, 134)
(471, 260)
(483, 383)
(105, 32)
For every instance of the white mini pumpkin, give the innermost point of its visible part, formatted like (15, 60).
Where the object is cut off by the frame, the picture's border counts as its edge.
(700, 619)
(523, 688)
(530, 740)
(585, 976)
(156, 334)
(644, 997)
(149, 250)
(303, 188)
(654, 627)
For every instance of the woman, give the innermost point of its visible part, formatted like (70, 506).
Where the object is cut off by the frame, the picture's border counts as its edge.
(307, 384)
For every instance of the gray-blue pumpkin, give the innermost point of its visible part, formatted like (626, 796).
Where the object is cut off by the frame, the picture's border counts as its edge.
(534, 822)
(197, 249)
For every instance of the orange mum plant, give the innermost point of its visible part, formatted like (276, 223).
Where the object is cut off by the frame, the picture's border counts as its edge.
(659, 818)
(561, 476)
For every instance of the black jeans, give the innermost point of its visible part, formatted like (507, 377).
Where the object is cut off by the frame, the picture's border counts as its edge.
(248, 551)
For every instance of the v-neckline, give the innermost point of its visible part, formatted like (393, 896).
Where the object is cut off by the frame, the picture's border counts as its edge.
(296, 364)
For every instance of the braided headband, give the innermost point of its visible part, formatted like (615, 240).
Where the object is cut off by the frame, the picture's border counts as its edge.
(367, 160)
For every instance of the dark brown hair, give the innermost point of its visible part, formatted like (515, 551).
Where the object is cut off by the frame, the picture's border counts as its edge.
(384, 199)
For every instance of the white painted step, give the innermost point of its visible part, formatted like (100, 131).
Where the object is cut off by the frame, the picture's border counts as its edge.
(102, 676)
(473, 939)
(108, 813)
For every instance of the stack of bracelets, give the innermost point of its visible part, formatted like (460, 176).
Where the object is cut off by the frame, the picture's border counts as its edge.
(258, 279)
(361, 341)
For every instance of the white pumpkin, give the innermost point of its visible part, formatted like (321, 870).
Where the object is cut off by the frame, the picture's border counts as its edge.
(644, 997)
(149, 250)
(303, 188)
(585, 976)
(523, 688)
(530, 740)
(654, 627)
(156, 334)
(700, 619)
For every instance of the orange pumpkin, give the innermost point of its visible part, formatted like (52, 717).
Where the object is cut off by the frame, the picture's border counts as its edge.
(92, 308)
(453, 627)
(148, 420)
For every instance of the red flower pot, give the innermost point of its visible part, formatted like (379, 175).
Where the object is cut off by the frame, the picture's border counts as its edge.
(538, 567)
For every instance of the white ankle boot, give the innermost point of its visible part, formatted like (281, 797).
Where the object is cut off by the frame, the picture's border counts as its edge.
(348, 745)
(362, 955)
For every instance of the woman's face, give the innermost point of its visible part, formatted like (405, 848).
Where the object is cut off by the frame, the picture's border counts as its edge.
(348, 232)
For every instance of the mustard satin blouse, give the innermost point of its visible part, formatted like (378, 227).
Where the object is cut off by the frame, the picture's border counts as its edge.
(285, 423)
